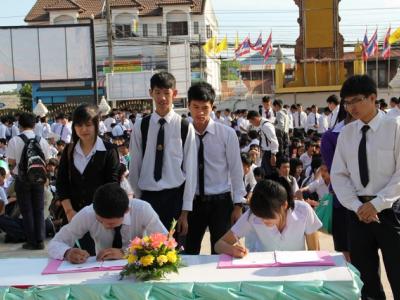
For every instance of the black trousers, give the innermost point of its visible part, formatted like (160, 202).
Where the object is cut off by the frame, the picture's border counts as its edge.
(30, 199)
(14, 228)
(365, 240)
(166, 203)
(299, 133)
(213, 212)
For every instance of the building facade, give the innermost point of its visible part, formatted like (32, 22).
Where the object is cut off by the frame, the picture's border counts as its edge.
(141, 33)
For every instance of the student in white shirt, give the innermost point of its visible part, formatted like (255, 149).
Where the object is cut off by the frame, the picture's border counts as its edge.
(269, 141)
(3, 127)
(278, 222)
(283, 167)
(313, 119)
(227, 117)
(112, 221)
(333, 104)
(299, 122)
(306, 157)
(118, 130)
(323, 121)
(109, 120)
(163, 169)
(365, 176)
(63, 129)
(267, 111)
(219, 199)
(394, 112)
(30, 196)
(249, 179)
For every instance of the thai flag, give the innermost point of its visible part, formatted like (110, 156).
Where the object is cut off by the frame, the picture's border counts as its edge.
(244, 48)
(386, 45)
(258, 45)
(372, 48)
(365, 46)
(267, 48)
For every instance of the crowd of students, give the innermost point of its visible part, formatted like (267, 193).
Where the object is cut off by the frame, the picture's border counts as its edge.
(252, 174)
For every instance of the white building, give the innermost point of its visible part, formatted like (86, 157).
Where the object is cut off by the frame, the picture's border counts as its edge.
(142, 30)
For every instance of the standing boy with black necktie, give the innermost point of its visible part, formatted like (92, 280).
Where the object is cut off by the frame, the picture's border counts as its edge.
(365, 175)
(164, 157)
(220, 190)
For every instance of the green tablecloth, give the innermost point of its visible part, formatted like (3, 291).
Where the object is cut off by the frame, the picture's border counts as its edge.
(318, 290)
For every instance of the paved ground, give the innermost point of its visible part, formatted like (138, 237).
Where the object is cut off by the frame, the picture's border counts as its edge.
(15, 250)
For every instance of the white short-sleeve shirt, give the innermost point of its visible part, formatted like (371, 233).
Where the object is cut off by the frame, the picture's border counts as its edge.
(301, 220)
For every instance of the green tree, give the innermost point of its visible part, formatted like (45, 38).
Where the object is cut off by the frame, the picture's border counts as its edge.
(25, 97)
(230, 70)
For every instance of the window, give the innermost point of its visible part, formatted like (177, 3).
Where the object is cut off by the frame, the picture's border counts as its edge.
(209, 31)
(159, 29)
(195, 27)
(177, 28)
(145, 30)
(123, 31)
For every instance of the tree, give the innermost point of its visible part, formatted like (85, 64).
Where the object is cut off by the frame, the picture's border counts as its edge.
(230, 70)
(25, 97)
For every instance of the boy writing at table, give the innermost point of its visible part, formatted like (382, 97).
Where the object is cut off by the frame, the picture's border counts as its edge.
(112, 221)
(276, 220)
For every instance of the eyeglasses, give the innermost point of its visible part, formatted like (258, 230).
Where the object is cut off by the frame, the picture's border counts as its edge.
(353, 101)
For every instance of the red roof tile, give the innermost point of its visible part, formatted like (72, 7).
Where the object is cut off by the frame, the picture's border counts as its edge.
(39, 11)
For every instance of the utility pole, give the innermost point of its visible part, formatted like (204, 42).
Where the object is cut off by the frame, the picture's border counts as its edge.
(110, 38)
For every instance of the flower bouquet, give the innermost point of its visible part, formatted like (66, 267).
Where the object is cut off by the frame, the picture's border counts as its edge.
(151, 257)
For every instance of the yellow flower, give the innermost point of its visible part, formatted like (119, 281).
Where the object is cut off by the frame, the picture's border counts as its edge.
(146, 239)
(147, 260)
(162, 259)
(132, 259)
(172, 258)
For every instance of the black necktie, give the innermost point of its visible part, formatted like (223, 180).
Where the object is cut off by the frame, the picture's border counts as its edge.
(268, 114)
(200, 158)
(61, 132)
(159, 151)
(117, 241)
(362, 157)
(315, 119)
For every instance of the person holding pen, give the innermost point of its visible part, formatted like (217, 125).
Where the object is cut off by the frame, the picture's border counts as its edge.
(112, 222)
(276, 220)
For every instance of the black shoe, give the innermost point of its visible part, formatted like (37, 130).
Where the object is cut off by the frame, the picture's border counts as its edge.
(29, 246)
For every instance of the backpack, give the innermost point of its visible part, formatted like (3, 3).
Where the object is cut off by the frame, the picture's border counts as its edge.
(144, 128)
(32, 166)
(281, 136)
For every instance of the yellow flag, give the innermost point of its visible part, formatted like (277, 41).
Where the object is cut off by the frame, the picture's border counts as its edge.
(209, 47)
(236, 41)
(222, 45)
(395, 36)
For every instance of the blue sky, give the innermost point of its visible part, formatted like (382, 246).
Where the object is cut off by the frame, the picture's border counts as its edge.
(255, 16)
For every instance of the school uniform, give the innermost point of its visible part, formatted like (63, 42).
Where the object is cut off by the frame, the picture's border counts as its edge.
(139, 221)
(312, 122)
(393, 113)
(108, 122)
(366, 168)
(268, 114)
(299, 123)
(323, 124)
(300, 221)
(118, 130)
(269, 145)
(64, 132)
(80, 175)
(332, 118)
(170, 187)
(30, 197)
(320, 187)
(215, 195)
(306, 160)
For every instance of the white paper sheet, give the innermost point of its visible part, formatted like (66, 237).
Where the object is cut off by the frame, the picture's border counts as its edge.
(114, 263)
(255, 258)
(287, 257)
(90, 263)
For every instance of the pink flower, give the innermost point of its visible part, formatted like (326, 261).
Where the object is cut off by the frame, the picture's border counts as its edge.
(171, 244)
(157, 239)
(136, 242)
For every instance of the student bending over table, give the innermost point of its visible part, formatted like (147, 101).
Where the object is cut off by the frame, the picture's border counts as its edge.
(276, 220)
(112, 221)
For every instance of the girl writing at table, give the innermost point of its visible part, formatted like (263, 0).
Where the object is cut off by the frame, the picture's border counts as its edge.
(276, 220)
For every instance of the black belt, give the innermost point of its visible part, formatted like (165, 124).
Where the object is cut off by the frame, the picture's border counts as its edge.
(365, 199)
(215, 197)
